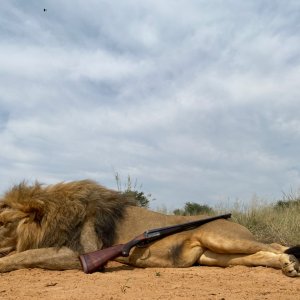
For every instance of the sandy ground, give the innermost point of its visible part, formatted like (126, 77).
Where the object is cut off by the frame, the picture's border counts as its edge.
(122, 282)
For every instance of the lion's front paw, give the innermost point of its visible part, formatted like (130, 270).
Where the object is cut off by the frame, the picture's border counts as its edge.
(290, 265)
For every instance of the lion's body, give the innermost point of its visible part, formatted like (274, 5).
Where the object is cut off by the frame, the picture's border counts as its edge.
(48, 227)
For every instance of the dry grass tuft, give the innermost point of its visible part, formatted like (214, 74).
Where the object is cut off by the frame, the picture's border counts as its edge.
(271, 223)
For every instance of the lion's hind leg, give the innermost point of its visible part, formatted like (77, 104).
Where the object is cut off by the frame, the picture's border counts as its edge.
(222, 236)
(229, 243)
(288, 263)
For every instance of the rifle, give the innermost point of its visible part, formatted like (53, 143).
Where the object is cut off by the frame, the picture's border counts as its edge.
(96, 260)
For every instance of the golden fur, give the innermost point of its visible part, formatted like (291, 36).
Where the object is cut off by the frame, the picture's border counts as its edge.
(49, 226)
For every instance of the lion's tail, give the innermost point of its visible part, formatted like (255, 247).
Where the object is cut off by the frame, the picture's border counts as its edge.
(295, 250)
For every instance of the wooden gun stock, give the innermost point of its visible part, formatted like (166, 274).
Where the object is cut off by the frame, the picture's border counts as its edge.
(94, 261)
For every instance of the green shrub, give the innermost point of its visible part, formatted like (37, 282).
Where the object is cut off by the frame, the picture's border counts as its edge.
(131, 191)
(140, 198)
(194, 209)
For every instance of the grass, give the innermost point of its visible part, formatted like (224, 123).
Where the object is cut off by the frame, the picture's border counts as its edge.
(272, 225)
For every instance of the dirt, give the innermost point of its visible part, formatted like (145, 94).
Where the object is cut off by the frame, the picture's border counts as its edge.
(123, 282)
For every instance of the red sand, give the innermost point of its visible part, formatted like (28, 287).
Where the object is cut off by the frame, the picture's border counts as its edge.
(122, 282)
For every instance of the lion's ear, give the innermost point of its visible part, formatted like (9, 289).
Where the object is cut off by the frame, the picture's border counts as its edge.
(3, 205)
(34, 208)
(37, 212)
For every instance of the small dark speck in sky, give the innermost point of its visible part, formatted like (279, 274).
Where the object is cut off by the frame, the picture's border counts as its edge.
(45, 9)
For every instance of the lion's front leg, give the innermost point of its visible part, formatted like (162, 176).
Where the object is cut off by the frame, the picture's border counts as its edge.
(46, 258)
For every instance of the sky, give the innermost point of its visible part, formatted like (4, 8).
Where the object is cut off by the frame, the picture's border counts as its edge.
(194, 100)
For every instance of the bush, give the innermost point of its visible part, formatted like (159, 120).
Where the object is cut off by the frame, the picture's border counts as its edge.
(193, 209)
(140, 198)
(131, 191)
(291, 200)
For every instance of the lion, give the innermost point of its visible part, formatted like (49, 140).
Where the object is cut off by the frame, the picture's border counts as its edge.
(50, 226)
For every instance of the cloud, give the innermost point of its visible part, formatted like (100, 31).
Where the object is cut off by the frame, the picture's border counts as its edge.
(197, 100)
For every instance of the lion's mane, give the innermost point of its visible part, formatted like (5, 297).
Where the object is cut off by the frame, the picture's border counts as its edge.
(54, 215)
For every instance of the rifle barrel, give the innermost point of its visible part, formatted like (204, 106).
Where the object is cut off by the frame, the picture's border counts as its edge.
(154, 233)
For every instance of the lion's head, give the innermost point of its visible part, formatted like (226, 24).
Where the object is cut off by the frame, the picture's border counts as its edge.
(9, 221)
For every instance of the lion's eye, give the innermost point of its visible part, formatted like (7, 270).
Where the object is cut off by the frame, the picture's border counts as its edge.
(1, 224)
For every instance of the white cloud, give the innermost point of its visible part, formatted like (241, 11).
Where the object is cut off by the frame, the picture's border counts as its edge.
(197, 100)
